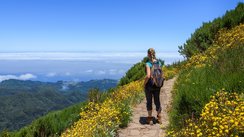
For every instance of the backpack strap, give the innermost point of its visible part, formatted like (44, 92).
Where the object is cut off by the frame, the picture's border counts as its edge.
(150, 64)
(158, 62)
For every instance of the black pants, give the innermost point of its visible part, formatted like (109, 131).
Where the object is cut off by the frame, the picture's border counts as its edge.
(155, 94)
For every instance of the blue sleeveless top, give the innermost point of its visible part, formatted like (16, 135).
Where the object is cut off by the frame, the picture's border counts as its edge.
(150, 64)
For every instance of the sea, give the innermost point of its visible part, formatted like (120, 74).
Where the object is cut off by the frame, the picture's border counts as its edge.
(72, 66)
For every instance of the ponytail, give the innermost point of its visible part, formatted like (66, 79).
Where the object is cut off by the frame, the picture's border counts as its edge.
(151, 52)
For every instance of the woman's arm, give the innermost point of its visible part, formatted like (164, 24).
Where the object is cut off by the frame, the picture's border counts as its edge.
(148, 75)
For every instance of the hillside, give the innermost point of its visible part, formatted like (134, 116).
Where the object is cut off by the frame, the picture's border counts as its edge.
(208, 95)
(23, 101)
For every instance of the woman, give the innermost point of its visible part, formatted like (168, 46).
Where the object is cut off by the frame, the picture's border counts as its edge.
(150, 90)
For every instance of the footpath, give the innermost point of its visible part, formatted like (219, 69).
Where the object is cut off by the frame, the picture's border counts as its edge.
(138, 127)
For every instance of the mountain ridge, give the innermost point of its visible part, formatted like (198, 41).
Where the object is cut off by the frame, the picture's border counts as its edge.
(23, 101)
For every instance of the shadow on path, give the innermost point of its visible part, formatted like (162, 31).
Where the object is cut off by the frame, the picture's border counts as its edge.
(143, 120)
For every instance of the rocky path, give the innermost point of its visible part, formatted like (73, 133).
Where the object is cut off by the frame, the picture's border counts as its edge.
(138, 128)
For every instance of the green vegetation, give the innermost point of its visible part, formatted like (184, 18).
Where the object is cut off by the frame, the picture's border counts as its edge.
(97, 96)
(221, 117)
(52, 124)
(23, 101)
(204, 36)
(195, 86)
(219, 68)
(173, 69)
(136, 72)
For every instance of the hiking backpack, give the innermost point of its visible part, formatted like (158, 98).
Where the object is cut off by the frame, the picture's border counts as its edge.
(157, 76)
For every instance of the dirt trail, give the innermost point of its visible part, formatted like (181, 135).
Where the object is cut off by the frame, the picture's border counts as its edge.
(137, 128)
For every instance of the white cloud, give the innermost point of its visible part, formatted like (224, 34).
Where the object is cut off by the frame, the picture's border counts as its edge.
(116, 72)
(85, 56)
(113, 72)
(21, 77)
(26, 76)
(121, 71)
(67, 74)
(106, 57)
(51, 74)
(101, 72)
(89, 71)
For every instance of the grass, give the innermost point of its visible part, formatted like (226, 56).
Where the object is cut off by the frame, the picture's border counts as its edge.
(195, 85)
(52, 124)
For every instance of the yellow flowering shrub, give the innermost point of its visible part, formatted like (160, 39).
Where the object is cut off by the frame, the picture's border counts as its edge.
(226, 39)
(102, 119)
(222, 116)
(230, 38)
(129, 91)
(169, 72)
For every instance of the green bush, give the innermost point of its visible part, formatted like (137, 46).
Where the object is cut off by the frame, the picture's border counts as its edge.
(52, 124)
(195, 85)
(204, 36)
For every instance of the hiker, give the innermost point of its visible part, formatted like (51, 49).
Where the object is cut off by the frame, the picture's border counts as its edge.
(152, 91)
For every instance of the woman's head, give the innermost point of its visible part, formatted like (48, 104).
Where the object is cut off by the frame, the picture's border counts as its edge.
(151, 53)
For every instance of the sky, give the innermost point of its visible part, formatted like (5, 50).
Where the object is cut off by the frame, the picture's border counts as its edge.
(81, 40)
(103, 25)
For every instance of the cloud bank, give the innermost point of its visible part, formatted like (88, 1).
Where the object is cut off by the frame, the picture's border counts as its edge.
(27, 76)
(79, 55)
(54, 66)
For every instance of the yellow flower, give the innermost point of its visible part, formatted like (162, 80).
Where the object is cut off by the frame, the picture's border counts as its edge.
(236, 123)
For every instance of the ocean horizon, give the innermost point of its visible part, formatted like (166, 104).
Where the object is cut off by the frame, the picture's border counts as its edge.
(72, 66)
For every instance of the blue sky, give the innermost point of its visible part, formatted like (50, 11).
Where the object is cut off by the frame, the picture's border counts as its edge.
(103, 25)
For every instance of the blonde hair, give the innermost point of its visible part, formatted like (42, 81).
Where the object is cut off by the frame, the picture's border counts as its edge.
(152, 53)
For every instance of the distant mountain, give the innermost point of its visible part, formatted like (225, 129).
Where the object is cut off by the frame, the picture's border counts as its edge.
(102, 85)
(12, 86)
(23, 101)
